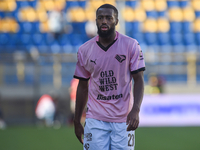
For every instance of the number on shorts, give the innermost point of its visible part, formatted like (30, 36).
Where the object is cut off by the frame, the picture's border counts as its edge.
(131, 139)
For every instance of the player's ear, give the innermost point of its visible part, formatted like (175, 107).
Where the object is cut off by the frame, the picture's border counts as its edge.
(116, 22)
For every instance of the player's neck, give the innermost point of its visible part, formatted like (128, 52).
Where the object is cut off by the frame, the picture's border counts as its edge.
(105, 41)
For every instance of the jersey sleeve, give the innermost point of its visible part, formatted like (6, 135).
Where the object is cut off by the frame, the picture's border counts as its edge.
(137, 62)
(80, 71)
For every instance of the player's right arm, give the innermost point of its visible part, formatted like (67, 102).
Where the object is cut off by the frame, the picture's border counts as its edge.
(81, 100)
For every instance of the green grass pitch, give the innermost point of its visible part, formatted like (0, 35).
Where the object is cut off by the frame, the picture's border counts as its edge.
(160, 138)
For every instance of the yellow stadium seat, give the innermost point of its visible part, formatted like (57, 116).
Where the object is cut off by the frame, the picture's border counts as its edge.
(96, 3)
(160, 5)
(60, 4)
(128, 14)
(175, 14)
(41, 15)
(31, 15)
(90, 14)
(188, 14)
(148, 5)
(163, 25)
(49, 5)
(9, 25)
(44, 27)
(196, 5)
(112, 2)
(14, 27)
(196, 25)
(77, 14)
(150, 25)
(3, 6)
(140, 14)
(11, 5)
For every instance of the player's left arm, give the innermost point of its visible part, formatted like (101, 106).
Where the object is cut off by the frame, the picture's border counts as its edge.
(138, 91)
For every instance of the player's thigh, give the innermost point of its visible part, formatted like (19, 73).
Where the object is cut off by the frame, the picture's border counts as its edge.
(122, 139)
(96, 135)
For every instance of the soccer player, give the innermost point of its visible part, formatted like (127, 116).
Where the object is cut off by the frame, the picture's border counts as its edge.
(106, 66)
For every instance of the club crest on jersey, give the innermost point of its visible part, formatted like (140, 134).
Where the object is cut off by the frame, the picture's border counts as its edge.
(120, 58)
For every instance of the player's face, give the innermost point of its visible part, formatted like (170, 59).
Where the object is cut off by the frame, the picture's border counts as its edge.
(106, 22)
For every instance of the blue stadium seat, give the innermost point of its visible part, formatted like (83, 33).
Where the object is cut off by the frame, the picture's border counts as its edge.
(173, 3)
(25, 27)
(4, 39)
(139, 37)
(132, 4)
(176, 39)
(188, 39)
(78, 27)
(152, 14)
(162, 14)
(82, 3)
(175, 27)
(163, 38)
(49, 39)
(197, 14)
(25, 39)
(197, 38)
(55, 48)
(150, 38)
(38, 39)
(184, 3)
(21, 4)
(187, 27)
(71, 4)
(63, 39)
(128, 27)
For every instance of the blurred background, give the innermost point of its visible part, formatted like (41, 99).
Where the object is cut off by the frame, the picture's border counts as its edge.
(39, 40)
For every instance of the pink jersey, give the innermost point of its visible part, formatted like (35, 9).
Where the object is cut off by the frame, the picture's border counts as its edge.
(109, 69)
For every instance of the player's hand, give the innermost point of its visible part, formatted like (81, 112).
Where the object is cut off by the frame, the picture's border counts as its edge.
(79, 131)
(132, 120)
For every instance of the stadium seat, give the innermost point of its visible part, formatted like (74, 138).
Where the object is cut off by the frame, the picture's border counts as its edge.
(184, 3)
(150, 38)
(188, 14)
(131, 4)
(25, 39)
(163, 38)
(196, 5)
(139, 37)
(148, 5)
(175, 27)
(150, 25)
(188, 39)
(197, 14)
(163, 25)
(128, 14)
(4, 39)
(197, 39)
(38, 39)
(172, 3)
(152, 14)
(176, 39)
(187, 27)
(160, 5)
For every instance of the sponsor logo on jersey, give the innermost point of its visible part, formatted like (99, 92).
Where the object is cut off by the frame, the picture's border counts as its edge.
(101, 97)
(87, 146)
(88, 136)
(120, 58)
(93, 61)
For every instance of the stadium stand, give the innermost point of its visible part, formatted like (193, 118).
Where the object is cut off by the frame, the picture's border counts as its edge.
(169, 26)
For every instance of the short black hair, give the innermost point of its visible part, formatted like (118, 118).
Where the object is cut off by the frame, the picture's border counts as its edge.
(109, 6)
